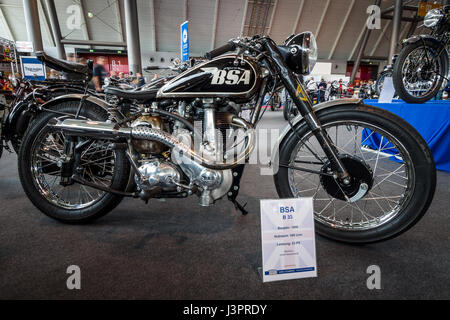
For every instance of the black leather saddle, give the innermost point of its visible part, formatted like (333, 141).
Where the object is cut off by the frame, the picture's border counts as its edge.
(66, 66)
(140, 95)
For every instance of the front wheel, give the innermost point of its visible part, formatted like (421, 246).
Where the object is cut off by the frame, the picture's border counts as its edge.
(392, 171)
(419, 71)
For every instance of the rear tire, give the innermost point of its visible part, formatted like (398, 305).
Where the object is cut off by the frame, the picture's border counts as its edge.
(104, 204)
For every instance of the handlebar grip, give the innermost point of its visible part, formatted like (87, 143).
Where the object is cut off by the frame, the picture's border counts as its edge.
(230, 46)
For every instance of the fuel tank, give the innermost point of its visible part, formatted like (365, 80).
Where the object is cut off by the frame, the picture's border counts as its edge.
(225, 76)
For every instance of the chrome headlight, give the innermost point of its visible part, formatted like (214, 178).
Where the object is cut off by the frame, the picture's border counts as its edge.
(310, 46)
(303, 49)
(432, 18)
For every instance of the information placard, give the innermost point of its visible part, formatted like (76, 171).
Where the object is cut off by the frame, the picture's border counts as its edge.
(288, 239)
(387, 92)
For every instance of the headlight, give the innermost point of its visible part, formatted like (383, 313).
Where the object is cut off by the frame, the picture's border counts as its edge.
(432, 18)
(310, 47)
(303, 56)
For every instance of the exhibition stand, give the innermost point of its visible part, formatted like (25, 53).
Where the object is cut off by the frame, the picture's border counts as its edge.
(431, 120)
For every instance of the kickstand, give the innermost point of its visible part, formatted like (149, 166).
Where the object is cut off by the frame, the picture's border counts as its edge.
(239, 207)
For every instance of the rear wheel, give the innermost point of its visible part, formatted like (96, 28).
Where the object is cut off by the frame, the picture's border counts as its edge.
(40, 157)
(392, 170)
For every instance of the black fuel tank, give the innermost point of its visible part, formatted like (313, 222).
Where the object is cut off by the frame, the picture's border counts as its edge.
(224, 76)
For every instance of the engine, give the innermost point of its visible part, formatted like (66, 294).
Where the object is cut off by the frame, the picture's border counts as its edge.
(148, 146)
(165, 160)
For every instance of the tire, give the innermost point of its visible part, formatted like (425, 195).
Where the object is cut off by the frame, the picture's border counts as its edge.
(422, 186)
(398, 77)
(106, 201)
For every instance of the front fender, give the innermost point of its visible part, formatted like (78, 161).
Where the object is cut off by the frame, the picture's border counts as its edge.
(297, 121)
(431, 39)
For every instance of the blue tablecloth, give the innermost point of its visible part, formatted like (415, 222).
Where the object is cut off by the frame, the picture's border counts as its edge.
(431, 119)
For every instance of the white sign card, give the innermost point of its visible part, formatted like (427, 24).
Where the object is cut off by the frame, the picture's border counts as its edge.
(387, 92)
(288, 239)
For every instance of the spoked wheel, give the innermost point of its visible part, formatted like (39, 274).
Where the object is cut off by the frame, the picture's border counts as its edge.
(40, 159)
(96, 166)
(392, 175)
(419, 71)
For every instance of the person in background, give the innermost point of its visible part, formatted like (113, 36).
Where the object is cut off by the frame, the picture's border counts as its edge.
(113, 75)
(99, 74)
(71, 57)
(141, 80)
(82, 60)
(53, 74)
(69, 75)
(322, 89)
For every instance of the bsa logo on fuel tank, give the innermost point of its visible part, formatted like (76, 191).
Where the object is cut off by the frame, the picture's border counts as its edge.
(229, 76)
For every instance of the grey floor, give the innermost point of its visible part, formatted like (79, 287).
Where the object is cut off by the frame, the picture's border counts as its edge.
(179, 250)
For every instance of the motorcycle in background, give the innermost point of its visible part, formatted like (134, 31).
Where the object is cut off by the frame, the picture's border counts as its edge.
(333, 91)
(422, 65)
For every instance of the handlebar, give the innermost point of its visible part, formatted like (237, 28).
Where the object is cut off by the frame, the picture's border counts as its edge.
(230, 46)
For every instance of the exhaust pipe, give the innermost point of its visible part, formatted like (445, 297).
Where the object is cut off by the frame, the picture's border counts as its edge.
(105, 130)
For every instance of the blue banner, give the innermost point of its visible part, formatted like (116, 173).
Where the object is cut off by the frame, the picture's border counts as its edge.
(184, 41)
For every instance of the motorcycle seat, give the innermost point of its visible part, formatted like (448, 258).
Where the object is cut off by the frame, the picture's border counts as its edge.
(140, 95)
(65, 66)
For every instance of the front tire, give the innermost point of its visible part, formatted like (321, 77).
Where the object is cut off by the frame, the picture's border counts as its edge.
(416, 56)
(39, 172)
(400, 193)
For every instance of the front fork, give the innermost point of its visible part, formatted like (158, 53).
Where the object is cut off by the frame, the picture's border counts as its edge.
(305, 107)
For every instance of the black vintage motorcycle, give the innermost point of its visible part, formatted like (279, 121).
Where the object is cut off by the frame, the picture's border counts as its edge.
(422, 65)
(370, 173)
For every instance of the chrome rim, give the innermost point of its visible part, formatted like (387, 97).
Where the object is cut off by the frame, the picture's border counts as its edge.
(420, 72)
(97, 165)
(388, 159)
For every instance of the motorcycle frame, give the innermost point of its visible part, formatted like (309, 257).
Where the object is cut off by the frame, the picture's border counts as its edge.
(304, 105)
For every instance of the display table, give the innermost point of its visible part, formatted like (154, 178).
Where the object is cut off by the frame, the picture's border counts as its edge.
(431, 119)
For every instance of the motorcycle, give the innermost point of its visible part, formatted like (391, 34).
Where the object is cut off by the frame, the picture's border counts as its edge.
(371, 175)
(367, 91)
(29, 95)
(422, 65)
(333, 92)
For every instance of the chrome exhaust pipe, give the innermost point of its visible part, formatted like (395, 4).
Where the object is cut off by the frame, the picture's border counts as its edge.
(105, 130)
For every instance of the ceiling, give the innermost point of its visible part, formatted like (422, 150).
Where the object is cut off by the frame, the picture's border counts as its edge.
(337, 24)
